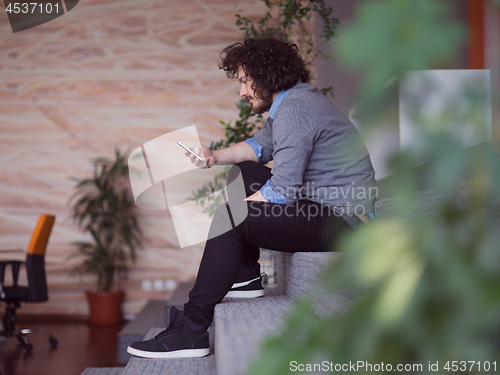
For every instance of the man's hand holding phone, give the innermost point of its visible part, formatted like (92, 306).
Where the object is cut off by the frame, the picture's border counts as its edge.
(202, 157)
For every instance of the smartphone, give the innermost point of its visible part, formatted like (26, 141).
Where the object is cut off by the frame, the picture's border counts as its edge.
(191, 152)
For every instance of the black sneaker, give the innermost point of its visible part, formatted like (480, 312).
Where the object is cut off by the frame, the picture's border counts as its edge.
(249, 288)
(182, 338)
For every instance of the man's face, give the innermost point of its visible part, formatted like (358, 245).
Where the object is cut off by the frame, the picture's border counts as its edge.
(258, 105)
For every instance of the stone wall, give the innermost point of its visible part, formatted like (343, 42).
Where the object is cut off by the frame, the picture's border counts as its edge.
(109, 73)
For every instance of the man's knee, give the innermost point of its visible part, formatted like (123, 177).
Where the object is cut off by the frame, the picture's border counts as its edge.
(243, 168)
(222, 221)
(233, 174)
(247, 164)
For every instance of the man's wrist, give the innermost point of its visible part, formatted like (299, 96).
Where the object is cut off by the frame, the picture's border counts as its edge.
(213, 158)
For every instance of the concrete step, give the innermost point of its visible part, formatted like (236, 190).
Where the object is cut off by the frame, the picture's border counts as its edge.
(303, 270)
(241, 325)
(103, 371)
(172, 366)
(303, 279)
(154, 314)
(385, 207)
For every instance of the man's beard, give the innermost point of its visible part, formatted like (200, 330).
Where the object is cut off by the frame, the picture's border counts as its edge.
(261, 107)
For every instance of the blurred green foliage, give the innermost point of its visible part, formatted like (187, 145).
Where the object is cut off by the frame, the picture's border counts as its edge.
(424, 282)
(395, 35)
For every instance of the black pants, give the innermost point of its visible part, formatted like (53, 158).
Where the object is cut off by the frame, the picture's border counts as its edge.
(301, 226)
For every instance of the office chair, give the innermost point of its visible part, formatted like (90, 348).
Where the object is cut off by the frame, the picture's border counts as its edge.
(36, 291)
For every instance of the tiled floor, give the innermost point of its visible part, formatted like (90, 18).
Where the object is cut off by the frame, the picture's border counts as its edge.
(80, 346)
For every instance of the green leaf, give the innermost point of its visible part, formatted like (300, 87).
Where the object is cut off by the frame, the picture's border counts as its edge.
(396, 35)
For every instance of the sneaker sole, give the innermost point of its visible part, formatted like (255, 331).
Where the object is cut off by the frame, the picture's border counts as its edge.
(245, 293)
(184, 353)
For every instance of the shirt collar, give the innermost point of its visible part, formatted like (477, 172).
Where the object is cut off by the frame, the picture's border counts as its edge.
(277, 101)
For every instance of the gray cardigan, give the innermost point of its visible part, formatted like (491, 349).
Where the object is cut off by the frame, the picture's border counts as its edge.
(318, 154)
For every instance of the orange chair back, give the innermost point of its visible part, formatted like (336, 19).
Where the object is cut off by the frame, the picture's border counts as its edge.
(41, 233)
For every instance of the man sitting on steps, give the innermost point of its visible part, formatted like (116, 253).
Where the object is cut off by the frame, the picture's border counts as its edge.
(321, 184)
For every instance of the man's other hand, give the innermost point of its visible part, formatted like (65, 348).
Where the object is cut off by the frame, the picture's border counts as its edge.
(257, 197)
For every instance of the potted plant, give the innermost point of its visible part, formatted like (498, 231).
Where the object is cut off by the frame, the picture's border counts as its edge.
(103, 206)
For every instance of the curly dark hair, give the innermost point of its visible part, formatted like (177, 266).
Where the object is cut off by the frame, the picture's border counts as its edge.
(272, 64)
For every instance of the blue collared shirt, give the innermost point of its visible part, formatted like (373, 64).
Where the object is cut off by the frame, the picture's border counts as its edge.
(266, 190)
(277, 102)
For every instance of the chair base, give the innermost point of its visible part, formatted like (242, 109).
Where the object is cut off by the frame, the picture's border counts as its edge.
(21, 336)
(10, 329)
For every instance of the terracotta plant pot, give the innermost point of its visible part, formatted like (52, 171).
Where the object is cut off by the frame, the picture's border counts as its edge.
(105, 307)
